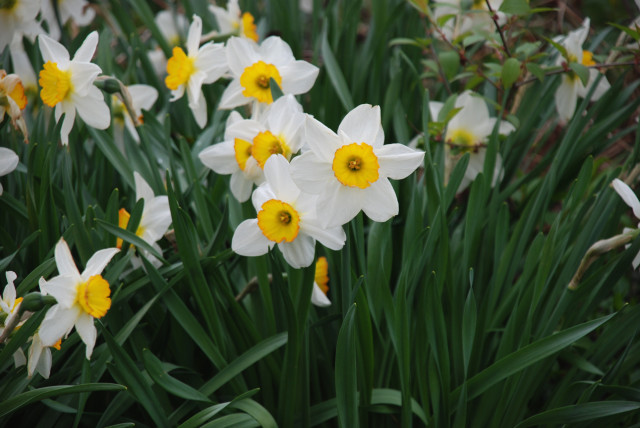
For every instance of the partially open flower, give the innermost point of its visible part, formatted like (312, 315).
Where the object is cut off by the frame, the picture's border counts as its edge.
(12, 101)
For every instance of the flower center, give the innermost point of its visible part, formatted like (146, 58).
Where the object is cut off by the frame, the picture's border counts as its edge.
(242, 149)
(356, 165)
(248, 27)
(587, 58)
(93, 296)
(56, 84)
(255, 81)
(322, 274)
(180, 67)
(462, 139)
(278, 221)
(266, 144)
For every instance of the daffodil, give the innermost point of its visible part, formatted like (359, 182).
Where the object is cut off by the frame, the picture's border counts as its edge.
(571, 87)
(9, 304)
(350, 170)
(232, 21)
(79, 11)
(81, 297)
(253, 66)
(468, 131)
(12, 101)
(18, 17)
(68, 86)
(172, 26)
(287, 217)
(142, 97)
(201, 64)
(250, 142)
(8, 162)
(154, 222)
(40, 356)
(320, 287)
(629, 198)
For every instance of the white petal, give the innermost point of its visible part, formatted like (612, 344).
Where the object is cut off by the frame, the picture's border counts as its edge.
(627, 196)
(285, 118)
(98, 262)
(53, 51)
(277, 174)
(19, 359)
(434, 110)
(310, 173)
(143, 190)
(333, 238)
(380, 202)
(472, 117)
(64, 260)
(93, 110)
(566, 97)
(44, 363)
(602, 87)
(9, 294)
(57, 323)
(87, 331)
(69, 111)
(220, 157)
(232, 96)
(193, 39)
(397, 161)
(63, 288)
(240, 186)
(636, 261)
(223, 18)
(87, 49)
(299, 252)
(298, 77)
(321, 140)
(142, 97)
(241, 53)
(35, 351)
(212, 61)
(248, 239)
(363, 125)
(261, 195)
(318, 298)
(339, 204)
(276, 51)
(83, 75)
(8, 161)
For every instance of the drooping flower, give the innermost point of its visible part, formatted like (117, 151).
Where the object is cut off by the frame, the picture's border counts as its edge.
(81, 297)
(629, 198)
(232, 21)
(350, 170)
(8, 162)
(571, 87)
(142, 97)
(287, 217)
(253, 66)
(18, 18)
(468, 131)
(250, 142)
(12, 101)
(154, 222)
(320, 287)
(68, 86)
(201, 64)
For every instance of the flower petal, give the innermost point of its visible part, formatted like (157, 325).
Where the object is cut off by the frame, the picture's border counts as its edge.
(98, 262)
(87, 49)
(64, 260)
(8, 161)
(240, 186)
(63, 288)
(69, 111)
(276, 51)
(298, 77)
(143, 190)
(220, 157)
(363, 125)
(566, 97)
(57, 323)
(93, 110)
(53, 51)
(397, 161)
(380, 202)
(318, 298)
(299, 252)
(193, 38)
(241, 53)
(627, 196)
(339, 204)
(87, 331)
(321, 140)
(333, 238)
(277, 174)
(248, 239)
(212, 61)
(232, 97)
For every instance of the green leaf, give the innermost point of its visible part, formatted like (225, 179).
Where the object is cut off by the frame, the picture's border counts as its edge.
(580, 413)
(335, 74)
(345, 372)
(130, 238)
(635, 35)
(276, 90)
(581, 71)
(257, 411)
(9, 405)
(510, 72)
(515, 7)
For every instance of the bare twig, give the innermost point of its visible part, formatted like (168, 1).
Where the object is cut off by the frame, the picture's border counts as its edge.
(250, 287)
(494, 18)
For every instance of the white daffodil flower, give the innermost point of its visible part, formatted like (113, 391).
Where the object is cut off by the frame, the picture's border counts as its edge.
(253, 66)
(202, 64)
(571, 87)
(40, 356)
(8, 162)
(250, 142)
(18, 18)
(81, 297)
(142, 97)
(67, 84)
(172, 26)
(154, 222)
(320, 287)
(79, 11)
(9, 304)
(12, 101)
(350, 171)
(287, 217)
(232, 21)
(632, 201)
(467, 131)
